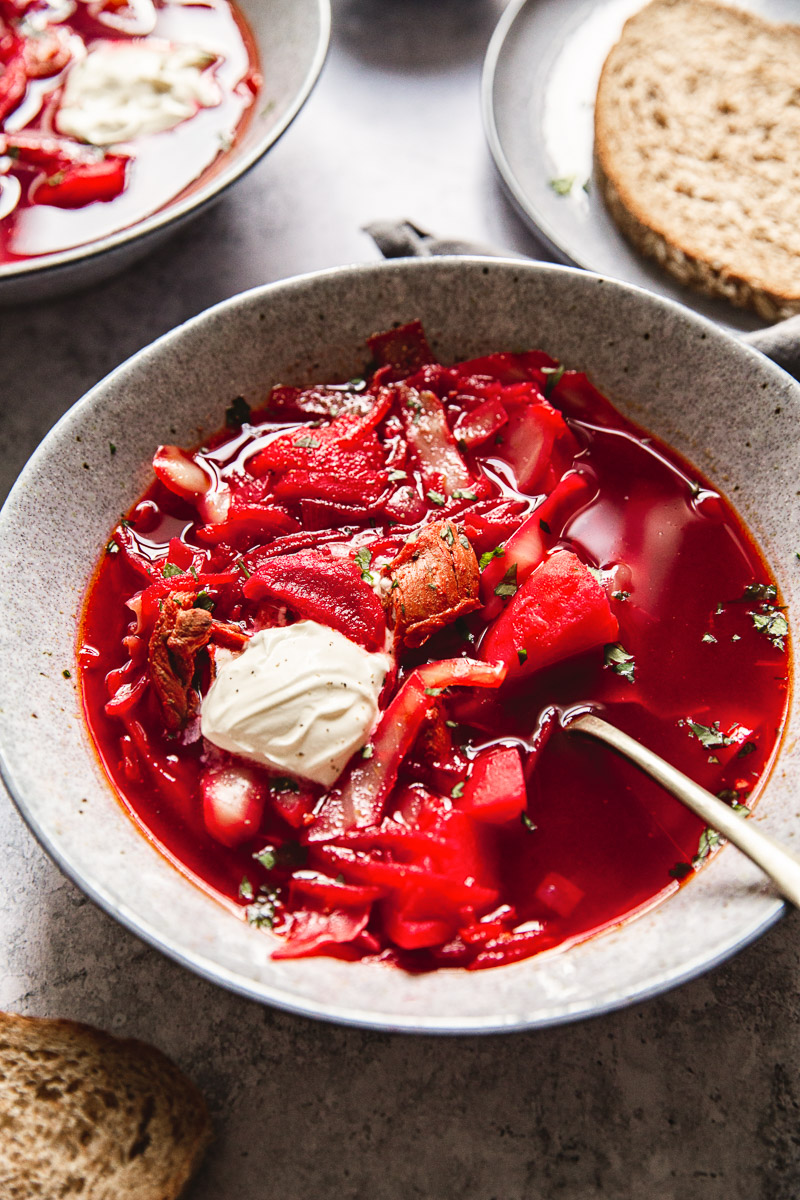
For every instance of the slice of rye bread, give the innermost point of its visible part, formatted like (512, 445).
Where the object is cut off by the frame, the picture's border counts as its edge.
(84, 1114)
(697, 148)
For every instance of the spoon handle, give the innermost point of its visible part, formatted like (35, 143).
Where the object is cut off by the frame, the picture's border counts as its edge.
(779, 863)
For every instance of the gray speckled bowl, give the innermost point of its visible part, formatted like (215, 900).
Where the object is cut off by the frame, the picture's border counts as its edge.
(292, 40)
(731, 411)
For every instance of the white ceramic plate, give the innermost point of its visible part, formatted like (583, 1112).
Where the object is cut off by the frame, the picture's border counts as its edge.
(721, 404)
(292, 39)
(539, 83)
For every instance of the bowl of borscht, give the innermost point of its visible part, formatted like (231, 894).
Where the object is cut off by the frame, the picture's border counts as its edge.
(119, 121)
(318, 577)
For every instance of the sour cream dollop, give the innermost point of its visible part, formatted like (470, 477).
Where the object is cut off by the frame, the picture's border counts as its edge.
(121, 91)
(301, 699)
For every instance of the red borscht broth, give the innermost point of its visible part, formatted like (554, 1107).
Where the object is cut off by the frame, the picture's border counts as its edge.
(484, 546)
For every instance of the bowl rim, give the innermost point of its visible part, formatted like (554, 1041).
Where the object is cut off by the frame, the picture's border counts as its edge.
(664, 980)
(196, 201)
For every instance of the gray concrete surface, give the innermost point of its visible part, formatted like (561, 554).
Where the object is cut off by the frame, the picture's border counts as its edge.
(692, 1095)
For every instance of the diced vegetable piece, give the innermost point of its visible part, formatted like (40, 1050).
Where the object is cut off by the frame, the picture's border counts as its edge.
(311, 931)
(495, 791)
(404, 349)
(325, 589)
(483, 422)
(559, 894)
(233, 803)
(331, 893)
(537, 444)
(294, 800)
(559, 611)
(410, 931)
(13, 84)
(432, 442)
(527, 547)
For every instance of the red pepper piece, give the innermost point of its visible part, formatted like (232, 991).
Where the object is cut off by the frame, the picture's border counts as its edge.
(325, 589)
(527, 547)
(331, 893)
(250, 522)
(560, 610)
(495, 791)
(83, 183)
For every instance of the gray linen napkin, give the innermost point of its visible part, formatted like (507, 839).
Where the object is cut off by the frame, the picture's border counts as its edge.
(403, 239)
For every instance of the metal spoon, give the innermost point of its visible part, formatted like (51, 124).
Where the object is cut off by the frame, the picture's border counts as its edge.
(779, 863)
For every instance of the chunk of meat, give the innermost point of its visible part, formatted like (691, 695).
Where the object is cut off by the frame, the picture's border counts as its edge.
(180, 631)
(434, 580)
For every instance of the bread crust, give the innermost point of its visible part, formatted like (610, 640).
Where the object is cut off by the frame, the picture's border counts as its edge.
(85, 1114)
(697, 116)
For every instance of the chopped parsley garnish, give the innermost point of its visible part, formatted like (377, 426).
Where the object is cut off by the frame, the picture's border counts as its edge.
(464, 540)
(563, 185)
(112, 449)
(457, 790)
(709, 840)
(246, 889)
(368, 750)
(621, 663)
(170, 569)
(67, 674)
(527, 822)
(522, 656)
(766, 592)
(363, 557)
(112, 547)
(283, 783)
(203, 600)
(436, 498)
(434, 691)
(307, 442)
(709, 639)
(620, 595)
(552, 377)
(746, 749)
(395, 475)
(237, 413)
(773, 624)
(488, 555)
(680, 870)
(193, 573)
(545, 528)
(508, 585)
(56, 179)
(447, 535)
(709, 736)
(267, 858)
(460, 494)
(247, 574)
